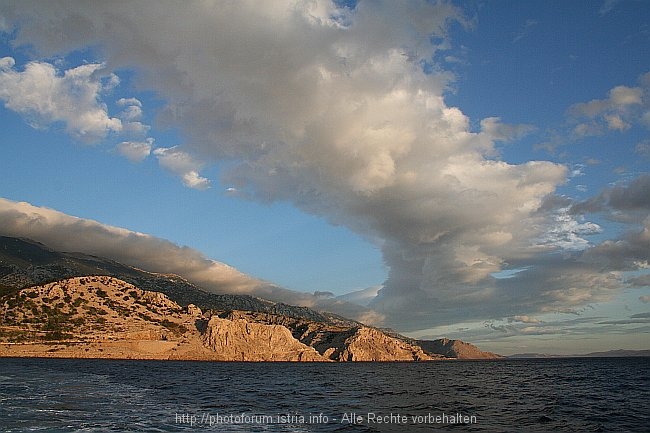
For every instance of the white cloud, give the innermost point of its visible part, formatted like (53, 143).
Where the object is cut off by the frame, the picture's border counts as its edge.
(621, 96)
(330, 109)
(135, 151)
(607, 6)
(192, 179)
(45, 96)
(183, 165)
(643, 149)
(125, 102)
(525, 30)
(131, 116)
(361, 297)
(68, 233)
(567, 233)
(498, 131)
(7, 63)
(623, 108)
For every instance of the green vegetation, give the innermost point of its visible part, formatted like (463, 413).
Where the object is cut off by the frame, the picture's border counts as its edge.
(16, 335)
(147, 318)
(77, 302)
(7, 290)
(175, 328)
(57, 335)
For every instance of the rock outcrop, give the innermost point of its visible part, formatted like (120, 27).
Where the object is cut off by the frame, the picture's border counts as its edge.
(456, 349)
(340, 342)
(368, 344)
(239, 340)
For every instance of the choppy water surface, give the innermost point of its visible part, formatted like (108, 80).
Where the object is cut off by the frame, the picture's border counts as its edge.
(50, 395)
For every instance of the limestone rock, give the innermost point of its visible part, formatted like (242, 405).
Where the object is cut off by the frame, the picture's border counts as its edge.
(105, 317)
(369, 344)
(239, 340)
(455, 349)
(193, 310)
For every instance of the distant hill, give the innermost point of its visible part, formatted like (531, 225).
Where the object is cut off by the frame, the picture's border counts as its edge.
(455, 349)
(452, 349)
(531, 355)
(618, 353)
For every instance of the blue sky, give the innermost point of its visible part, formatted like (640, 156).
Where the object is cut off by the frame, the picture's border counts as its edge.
(486, 164)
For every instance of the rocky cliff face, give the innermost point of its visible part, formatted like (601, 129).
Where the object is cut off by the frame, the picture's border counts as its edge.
(104, 317)
(239, 340)
(26, 263)
(455, 349)
(340, 342)
(368, 344)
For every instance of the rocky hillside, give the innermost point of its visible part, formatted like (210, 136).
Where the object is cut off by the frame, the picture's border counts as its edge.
(25, 263)
(340, 342)
(104, 317)
(239, 340)
(455, 349)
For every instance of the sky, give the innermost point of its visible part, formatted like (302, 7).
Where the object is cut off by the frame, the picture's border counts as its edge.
(476, 170)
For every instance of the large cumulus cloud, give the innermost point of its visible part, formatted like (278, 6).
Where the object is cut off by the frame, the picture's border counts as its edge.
(342, 112)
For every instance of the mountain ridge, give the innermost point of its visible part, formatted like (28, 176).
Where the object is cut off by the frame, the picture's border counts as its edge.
(104, 317)
(41, 265)
(615, 353)
(26, 264)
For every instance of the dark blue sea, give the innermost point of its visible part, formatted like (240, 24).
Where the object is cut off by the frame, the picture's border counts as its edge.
(59, 395)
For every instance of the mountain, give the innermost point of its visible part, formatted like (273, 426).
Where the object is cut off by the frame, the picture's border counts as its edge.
(104, 317)
(530, 355)
(455, 349)
(92, 297)
(25, 263)
(445, 348)
(618, 353)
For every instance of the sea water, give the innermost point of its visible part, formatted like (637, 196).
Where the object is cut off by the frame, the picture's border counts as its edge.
(573, 394)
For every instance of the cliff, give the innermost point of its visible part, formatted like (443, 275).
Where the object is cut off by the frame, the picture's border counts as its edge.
(341, 342)
(455, 349)
(239, 340)
(368, 344)
(96, 300)
(104, 317)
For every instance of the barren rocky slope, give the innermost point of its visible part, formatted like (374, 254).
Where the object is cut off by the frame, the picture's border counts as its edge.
(455, 349)
(25, 263)
(106, 317)
(133, 313)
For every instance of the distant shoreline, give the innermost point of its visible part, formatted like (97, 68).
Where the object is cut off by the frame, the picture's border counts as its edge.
(616, 353)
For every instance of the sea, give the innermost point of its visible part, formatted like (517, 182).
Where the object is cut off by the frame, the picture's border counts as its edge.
(517, 395)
